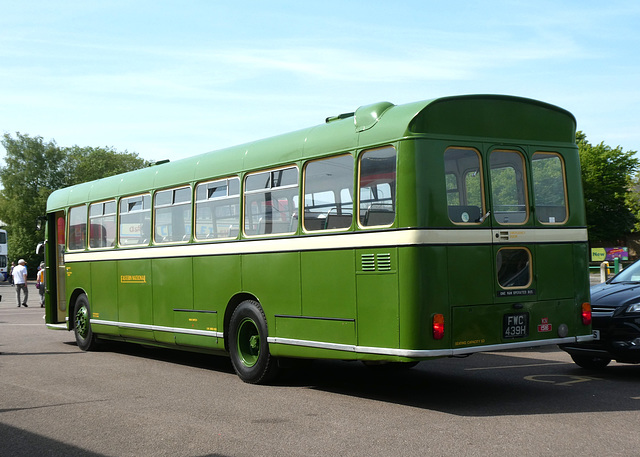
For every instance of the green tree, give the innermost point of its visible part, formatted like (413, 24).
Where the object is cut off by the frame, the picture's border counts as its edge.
(35, 168)
(84, 164)
(607, 179)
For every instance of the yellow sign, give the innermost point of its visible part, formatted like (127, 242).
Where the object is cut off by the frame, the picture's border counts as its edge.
(133, 279)
(598, 254)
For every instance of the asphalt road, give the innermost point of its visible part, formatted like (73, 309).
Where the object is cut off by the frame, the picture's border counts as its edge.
(127, 400)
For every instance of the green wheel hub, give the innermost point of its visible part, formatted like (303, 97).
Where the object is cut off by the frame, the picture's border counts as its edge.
(248, 342)
(82, 321)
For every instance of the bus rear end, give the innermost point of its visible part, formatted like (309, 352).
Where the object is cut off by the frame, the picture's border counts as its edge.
(503, 262)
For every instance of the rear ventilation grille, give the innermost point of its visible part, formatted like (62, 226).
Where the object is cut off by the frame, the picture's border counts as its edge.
(384, 262)
(376, 262)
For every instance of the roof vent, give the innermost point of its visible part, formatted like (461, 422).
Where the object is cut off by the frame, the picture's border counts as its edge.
(158, 162)
(368, 116)
(339, 117)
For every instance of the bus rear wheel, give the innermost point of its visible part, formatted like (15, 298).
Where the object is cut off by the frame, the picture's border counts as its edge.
(85, 339)
(248, 345)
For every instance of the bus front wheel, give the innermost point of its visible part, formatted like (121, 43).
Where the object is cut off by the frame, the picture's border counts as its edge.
(85, 338)
(248, 346)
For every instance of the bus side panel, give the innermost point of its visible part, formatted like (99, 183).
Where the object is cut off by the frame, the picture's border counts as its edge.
(581, 285)
(328, 284)
(554, 271)
(172, 289)
(471, 274)
(328, 302)
(377, 288)
(581, 272)
(423, 292)
(215, 280)
(134, 298)
(78, 278)
(104, 296)
(274, 279)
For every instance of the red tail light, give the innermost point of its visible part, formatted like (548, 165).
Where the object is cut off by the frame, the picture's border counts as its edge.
(438, 326)
(586, 313)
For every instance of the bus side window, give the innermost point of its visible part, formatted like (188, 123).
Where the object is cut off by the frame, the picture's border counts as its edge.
(377, 187)
(218, 209)
(135, 220)
(172, 210)
(102, 224)
(463, 181)
(77, 228)
(328, 187)
(271, 202)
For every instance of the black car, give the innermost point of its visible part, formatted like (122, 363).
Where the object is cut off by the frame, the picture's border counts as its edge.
(615, 308)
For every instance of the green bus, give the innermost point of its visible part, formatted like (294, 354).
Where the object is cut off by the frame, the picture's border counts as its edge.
(393, 234)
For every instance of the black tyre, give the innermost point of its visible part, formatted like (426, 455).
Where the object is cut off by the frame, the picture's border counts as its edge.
(590, 362)
(85, 338)
(248, 345)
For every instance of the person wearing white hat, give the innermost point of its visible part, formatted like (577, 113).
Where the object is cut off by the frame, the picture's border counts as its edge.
(20, 280)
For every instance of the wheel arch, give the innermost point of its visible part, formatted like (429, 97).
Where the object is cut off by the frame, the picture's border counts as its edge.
(70, 306)
(228, 312)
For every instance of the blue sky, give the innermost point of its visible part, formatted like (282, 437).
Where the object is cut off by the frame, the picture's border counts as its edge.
(169, 79)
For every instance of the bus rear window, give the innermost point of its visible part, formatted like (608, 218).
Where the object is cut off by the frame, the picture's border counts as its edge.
(514, 268)
(549, 188)
(463, 180)
(508, 187)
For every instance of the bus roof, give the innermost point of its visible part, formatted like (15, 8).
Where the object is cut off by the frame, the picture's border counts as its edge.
(493, 116)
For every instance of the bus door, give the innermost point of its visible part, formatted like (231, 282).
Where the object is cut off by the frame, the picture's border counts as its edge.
(56, 311)
(511, 221)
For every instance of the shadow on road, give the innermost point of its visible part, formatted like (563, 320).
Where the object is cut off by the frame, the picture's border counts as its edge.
(481, 385)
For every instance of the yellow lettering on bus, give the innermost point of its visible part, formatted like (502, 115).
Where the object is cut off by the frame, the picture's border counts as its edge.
(133, 279)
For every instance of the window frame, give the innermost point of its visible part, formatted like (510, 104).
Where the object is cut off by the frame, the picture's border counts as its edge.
(246, 194)
(102, 216)
(214, 199)
(187, 236)
(393, 191)
(530, 267)
(68, 228)
(525, 187)
(463, 177)
(564, 188)
(149, 210)
(304, 195)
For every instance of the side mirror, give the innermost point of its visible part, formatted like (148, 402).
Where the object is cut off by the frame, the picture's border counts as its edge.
(40, 222)
(40, 249)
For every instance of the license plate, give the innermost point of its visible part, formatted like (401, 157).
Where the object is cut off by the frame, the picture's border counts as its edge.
(515, 325)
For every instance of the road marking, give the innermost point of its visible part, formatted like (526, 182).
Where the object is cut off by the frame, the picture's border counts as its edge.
(573, 379)
(519, 366)
(7, 323)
